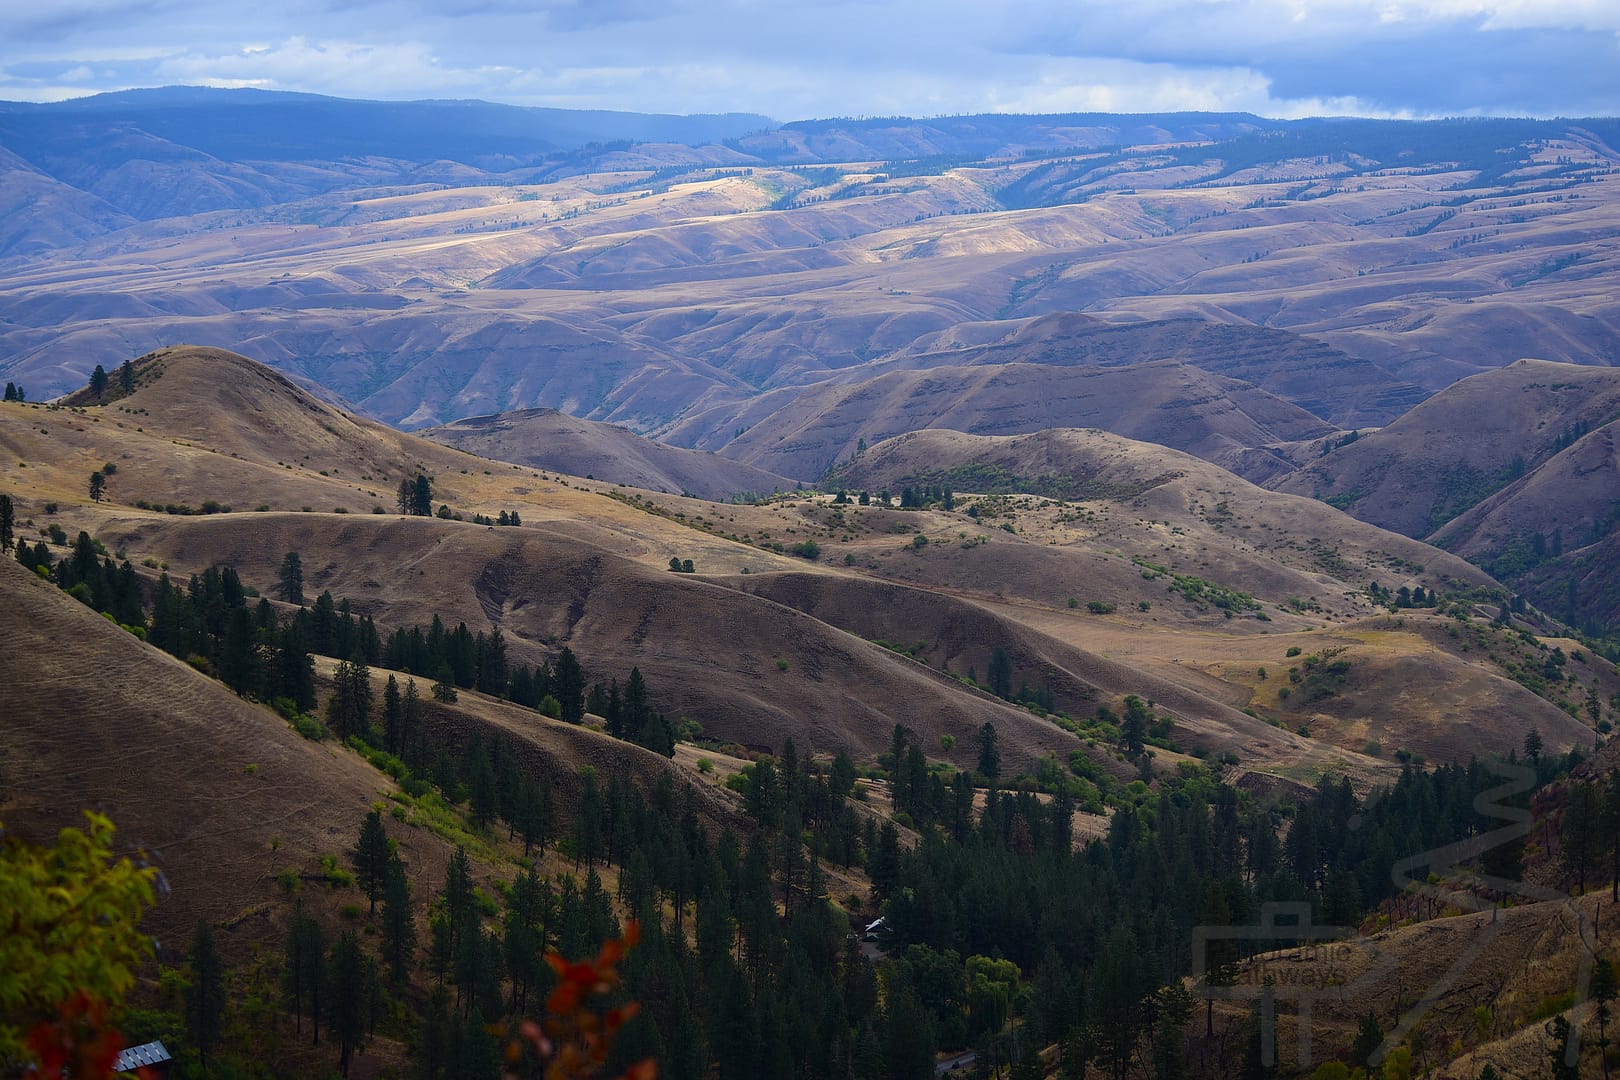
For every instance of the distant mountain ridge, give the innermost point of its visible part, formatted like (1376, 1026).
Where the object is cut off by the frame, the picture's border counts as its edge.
(243, 125)
(1247, 290)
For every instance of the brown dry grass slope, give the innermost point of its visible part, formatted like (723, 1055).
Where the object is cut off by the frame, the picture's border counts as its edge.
(219, 793)
(756, 654)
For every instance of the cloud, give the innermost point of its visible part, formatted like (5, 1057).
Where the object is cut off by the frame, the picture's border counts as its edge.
(344, 68)
(922, 57)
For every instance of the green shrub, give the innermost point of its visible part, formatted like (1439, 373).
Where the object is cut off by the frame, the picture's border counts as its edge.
(336, 876)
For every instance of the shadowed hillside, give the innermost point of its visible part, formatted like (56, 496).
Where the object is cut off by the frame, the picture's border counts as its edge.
(1463, 445)
(805, 434)
(1343, 390)
(548, 439)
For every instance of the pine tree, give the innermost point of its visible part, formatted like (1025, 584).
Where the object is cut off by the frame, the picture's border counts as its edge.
(8, 519)
(1369, 1037)
(534, 815)
(410, 716)
(1257, 1063)
(422, 496)
(588, 824)
(989, 754)
(1565, 1045)
(1603, 991)
(346, 997)
(98, 484)
(909, 1049)
(393, 716)
(238, 655)
(492, 668)
(636, 711)
(98, 382)
(1133, 728)
(205, 997)
(404, 496)
(522, 942)
(306, 967)
(348, 710)
(1583, 834)
(458, 887)
(126, 377)
(291, 578)
(1611, 825)
(441, 946)
(444, 686)
(398, 923)
(1001, 673)
(295, 668)
(568, 686)
(371, 857)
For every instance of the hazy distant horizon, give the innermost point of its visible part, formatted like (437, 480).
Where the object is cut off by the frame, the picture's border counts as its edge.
(1282, 59)
(855, 117)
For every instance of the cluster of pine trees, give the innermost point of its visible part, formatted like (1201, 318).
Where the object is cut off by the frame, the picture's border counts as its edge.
(1101, 936)
(478, 661)
(925, 496)
(211, 624)
(88, 573)
(1589, 834)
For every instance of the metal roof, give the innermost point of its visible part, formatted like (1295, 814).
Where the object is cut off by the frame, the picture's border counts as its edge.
(151, 1053)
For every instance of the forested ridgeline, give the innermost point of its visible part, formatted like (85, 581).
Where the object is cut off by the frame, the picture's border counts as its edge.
(999, 932)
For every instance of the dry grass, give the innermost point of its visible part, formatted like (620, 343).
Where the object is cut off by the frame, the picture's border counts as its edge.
(796, 654)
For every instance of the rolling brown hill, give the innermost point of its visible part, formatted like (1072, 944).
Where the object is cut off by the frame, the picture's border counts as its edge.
(1571, 495)
(805, 433)
(553, 440)
(585, 570)
(220, 794)
(1462, 445)
(1345, 391)
(1151, 480)
(1202, 572)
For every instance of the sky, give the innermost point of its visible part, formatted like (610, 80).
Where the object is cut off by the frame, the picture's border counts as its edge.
(800, 60)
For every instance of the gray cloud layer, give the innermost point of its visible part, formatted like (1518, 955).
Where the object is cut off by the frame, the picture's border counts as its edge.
(917, 57)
